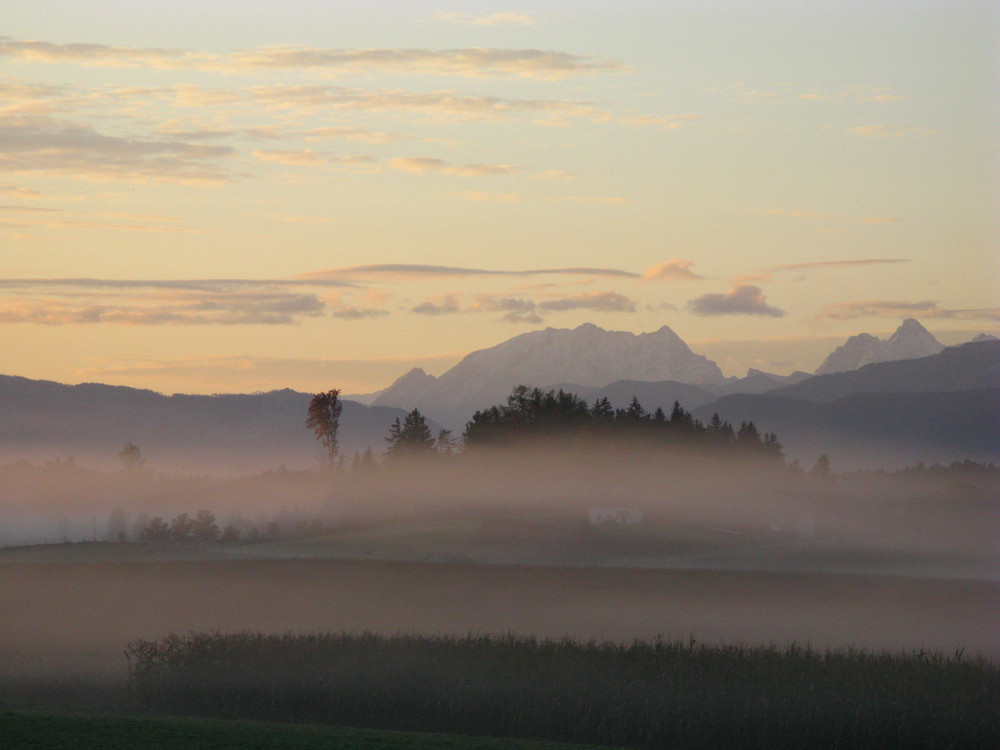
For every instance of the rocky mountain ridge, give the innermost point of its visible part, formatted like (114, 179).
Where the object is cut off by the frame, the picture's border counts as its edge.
(587, 355)
(910, 341)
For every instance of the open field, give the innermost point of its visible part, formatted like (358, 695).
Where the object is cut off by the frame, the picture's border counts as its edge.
(922, 542)
(31, 729)
(63, 621)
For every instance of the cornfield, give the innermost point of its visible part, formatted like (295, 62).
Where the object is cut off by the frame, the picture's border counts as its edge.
(656, 694)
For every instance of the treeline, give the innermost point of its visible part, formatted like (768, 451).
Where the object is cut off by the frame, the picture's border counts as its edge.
(531, 413)
(203, 528)
(560, 418)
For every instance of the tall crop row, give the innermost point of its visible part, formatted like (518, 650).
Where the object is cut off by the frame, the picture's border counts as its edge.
(642, 695)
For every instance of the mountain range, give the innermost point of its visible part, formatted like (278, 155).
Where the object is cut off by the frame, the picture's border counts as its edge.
(940, 407)
(224, 433)
(911, 340)
(596, 363)
(936, 409)
(586, 356)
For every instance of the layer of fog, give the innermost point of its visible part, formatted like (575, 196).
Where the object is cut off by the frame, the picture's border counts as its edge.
(712, 512)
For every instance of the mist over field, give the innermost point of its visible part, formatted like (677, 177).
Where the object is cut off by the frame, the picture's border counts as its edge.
(609, 541)
(550, 520)
(550, 517)
(613, 373)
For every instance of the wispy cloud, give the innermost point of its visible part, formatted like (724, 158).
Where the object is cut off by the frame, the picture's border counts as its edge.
(597, 301)
(54, 301)
(760, 277)
(298, 218)
(446, 106)
(742, 299)
(413, 270)
(521, 310)
(480, 170)
(515, 309)
(820, 216)
(20, 193)
(853, 95)
(189, 301)
(35, 217)
(854, 263)
(597, 199)
(416, 164)
(669, 122)
(556, 174)
(364, 135)
(292, 158)
(70, 285)
(442, 305)
(467, 63)
(904, 309)
(676, 269)
(489, 19)
(883, 131)
(423, 164)
(484, 197)
(53, 147)
(351, 312)
(173, 308)
(794, 213)
(789, 92)
(94, 54)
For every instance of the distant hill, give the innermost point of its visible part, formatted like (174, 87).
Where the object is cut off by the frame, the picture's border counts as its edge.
(968, 367)
(588, 356)
(939, 408)
(43, 419)
(911, 340)
(757, 381)
(874, 430)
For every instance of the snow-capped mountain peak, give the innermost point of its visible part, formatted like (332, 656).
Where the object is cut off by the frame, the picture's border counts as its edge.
(910, 341)
(586, 355)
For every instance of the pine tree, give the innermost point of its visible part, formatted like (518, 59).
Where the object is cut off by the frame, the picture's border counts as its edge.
(410, 438)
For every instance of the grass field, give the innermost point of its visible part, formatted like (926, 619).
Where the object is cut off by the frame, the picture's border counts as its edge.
(26, 729)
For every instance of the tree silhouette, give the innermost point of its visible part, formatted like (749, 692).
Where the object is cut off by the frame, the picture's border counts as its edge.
(445, 443)
(410, 438)
(821, 469)
(157, 530)
(323, 419)
(203, 527)
(532, 414)
(230, 534)
(131, 457)
(180, 527)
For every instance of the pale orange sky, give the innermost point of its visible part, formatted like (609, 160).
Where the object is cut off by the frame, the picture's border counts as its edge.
(223, 196)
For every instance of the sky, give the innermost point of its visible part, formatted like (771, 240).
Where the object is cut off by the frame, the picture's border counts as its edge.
(213, 197)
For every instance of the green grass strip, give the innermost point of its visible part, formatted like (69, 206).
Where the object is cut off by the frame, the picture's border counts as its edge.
(31, 729)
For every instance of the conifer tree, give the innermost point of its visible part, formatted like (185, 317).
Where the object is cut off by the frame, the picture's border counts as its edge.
(411, 437)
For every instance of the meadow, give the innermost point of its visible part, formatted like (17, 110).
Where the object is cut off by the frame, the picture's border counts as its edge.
(32, 728)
